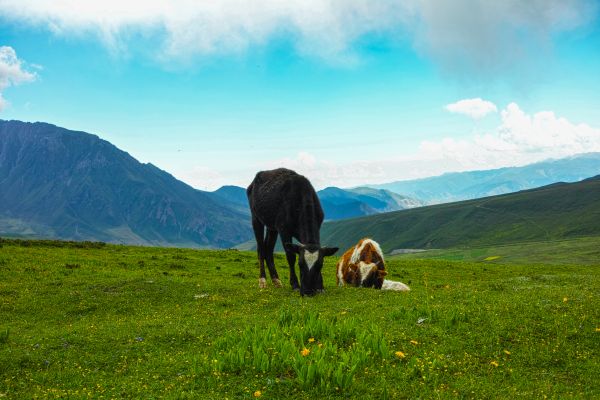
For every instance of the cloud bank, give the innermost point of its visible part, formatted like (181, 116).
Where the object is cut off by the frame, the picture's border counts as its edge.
(462, 34)
(474, 108)
(519, 139)
(12, 72)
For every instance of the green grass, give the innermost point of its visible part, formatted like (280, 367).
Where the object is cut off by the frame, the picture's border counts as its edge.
(568, 251)
(134, 322)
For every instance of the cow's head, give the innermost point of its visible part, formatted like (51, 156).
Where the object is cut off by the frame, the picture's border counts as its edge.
(370, 275)
(310, 261)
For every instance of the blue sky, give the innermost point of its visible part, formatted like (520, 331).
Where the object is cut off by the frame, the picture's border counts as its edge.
(347, 93)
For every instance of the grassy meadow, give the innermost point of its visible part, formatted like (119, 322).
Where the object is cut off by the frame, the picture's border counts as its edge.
(105, 321)
(584, 250)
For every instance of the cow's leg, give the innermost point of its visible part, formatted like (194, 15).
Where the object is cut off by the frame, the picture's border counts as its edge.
(269, 248)
(320, 287)
(291, 259)
(259, 232)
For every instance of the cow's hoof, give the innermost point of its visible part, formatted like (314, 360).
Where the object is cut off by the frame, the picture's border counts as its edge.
(262, 283)
(277, 283)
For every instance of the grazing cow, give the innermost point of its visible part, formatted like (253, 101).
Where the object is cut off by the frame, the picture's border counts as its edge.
(286, 204)
(363, 265)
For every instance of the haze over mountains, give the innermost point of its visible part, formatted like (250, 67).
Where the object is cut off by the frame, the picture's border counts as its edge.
(57, 183)
(337, 203)
(458, 186)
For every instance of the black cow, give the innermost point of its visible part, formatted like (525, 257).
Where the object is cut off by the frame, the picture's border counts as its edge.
(286, 204)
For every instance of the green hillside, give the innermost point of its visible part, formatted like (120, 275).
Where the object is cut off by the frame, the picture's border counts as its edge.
(552, 212)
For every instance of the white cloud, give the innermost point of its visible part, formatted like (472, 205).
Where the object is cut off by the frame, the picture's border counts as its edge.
(520, 139)
(474, 108)
(205, 178)
(11, 71)
(462, 35)
(324, 28)
(544, 132)
(321, 173)
(324, 173)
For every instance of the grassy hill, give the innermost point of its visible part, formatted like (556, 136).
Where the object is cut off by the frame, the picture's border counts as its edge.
(552, 212)
(102, 321)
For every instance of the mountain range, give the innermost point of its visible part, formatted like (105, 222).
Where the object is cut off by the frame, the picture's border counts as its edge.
(73, 185)
(458, 186)
(349, 203)
(337, 203)
(58, 183)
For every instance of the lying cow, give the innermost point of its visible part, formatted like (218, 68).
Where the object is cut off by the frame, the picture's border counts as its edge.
(363, 265)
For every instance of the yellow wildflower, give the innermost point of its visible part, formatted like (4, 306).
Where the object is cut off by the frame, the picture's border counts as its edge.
(400, 354)
(565, 299)
(258, 393)
(414, 342)
(311, 340)
(597, 329)
(305, 352)
(320, 345)
(507, 352)
(494, 363)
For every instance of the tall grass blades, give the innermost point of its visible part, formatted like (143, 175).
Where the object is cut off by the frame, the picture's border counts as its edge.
(312, 351)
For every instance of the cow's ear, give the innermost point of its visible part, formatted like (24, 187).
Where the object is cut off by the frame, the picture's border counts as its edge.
(292, 248)
(329, 251)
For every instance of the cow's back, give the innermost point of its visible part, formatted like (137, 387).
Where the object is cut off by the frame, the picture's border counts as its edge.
(360, 261)
(279, 196)
(368, 251)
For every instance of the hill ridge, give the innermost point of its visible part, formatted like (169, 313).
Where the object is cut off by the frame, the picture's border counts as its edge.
(559, 210)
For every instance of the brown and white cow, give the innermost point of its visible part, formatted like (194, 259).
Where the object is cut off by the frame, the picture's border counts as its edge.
(363, 265)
